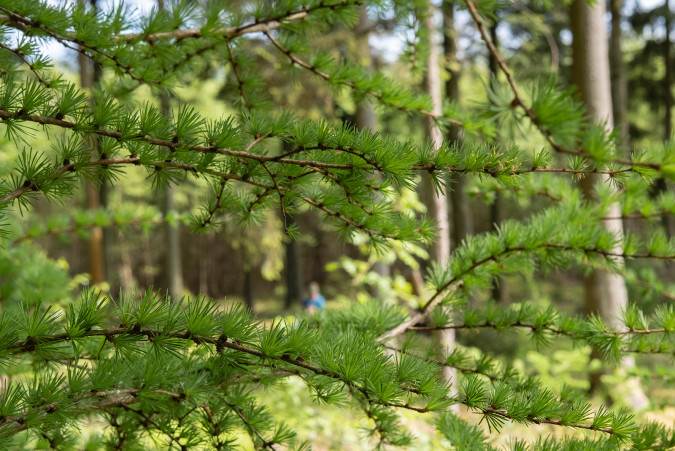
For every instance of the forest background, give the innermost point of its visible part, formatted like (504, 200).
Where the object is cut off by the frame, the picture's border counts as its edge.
(130, 236)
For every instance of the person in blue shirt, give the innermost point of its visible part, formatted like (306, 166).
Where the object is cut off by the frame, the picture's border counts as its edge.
(316, 301)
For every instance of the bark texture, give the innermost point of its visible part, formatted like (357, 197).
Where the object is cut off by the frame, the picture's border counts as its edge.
(668, 220)
(96, 249)
(462, 218)
(618, 73)
(292, 274)
(606, 292)
(668, 77)
(497, 210)
(173, 261)
(444, 340)
(365, 117)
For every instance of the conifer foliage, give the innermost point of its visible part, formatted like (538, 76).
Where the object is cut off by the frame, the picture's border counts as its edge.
(183, 372)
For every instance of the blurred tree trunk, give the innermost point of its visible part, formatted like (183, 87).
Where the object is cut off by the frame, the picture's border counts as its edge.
(668, 220)
(202, 265)
(668, 77)
(292, 272)
(619, 83)
(618, 72)
(497, 211)
(105, 193)
(173, 262)
(462, 219)
(444, 340)
(248, 283)
(606, 292)
(365, 117)
(661, 185)
(125, 268)
(93, 192)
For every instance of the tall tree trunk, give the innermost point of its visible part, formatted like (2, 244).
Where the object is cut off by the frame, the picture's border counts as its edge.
(668, 77)
(445, 339)
(462, 218)
(125, 268)
(619, 82)
(497, 210)
(97, 257)
(606, 292)
(292, 272)
(248, 283)
(173, 261)
(365, 117)
(668, 220)
(204, 243)
(619, 85)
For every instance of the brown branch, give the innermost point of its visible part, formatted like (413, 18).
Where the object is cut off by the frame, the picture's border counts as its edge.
(529, 112)
(548, 194)
(337, 181)
(535, 328)
(498, 172)
(217, 205)
(220, 343)
(147, 419)
(651, 288)
(259, 26)
(252, 430)
(237, 75)
(451, 287)
(281, 195)
(462, 369)
(305, 65)
(453, 284)
(118, 398)
(246, 155)
(640, 215)
(79, 48)
(26, 25)
(128, 395)
(505, 415)
(30, 185)
(22, 56)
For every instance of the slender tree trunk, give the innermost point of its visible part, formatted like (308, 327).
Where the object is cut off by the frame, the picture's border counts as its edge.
(105, 193)
(497, 210)
(605, 291)
(125, 269)
(462, 218)
(204, 246)
(292, 269)
(365, 117)
(92, 192)
(618, 72)
(668, 78)
(248, 285)
(439, 204)
(619, 84)
(444, 340)
(668, 221)
(173, 261)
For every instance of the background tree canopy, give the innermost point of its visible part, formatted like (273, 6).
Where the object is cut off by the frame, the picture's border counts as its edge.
(484, 199)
